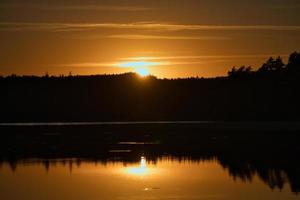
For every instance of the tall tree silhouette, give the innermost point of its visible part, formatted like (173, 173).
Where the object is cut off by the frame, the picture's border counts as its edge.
(272, 66)
(293, 66)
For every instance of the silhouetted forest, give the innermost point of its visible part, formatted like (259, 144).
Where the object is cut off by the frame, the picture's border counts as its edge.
(269, 93)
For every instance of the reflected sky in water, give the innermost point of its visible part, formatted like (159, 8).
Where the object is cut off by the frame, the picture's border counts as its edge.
(164, 179)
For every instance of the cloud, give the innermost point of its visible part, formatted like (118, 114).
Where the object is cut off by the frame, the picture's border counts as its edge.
(170, 60)
(165, 37)
(23, 26)
(76, 7)
(205, 57)
(112, 64)
(98, 8)
(286, 6)
(89, 64)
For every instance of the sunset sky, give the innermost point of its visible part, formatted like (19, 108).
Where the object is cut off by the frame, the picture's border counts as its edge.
(168, 38)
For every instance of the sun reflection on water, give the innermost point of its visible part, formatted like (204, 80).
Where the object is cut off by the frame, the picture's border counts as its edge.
(140, 170)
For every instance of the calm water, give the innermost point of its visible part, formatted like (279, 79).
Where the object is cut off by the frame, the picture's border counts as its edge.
(164, 161)
(165, 179)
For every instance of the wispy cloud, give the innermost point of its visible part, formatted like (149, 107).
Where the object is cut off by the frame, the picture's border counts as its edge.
(171, 60)
(165, 37)
(89, 64)
(20, 26)
(286, 6)
(112, 64)
(204, 57)
(76, 7)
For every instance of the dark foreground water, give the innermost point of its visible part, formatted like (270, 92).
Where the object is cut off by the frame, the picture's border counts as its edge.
(148, 161)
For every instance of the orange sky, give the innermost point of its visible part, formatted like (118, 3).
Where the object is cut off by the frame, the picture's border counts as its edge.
(177, 38)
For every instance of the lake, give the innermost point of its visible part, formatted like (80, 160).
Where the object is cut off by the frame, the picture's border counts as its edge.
(147, 161)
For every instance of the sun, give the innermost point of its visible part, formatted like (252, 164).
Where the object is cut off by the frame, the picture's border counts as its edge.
(142, 71)
(139, 66)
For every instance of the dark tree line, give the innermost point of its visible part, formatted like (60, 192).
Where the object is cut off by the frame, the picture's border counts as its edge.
(272, 68)
(270, 93)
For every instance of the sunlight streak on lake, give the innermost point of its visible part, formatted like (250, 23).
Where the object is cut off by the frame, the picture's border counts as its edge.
(139, 171)
(165, 178)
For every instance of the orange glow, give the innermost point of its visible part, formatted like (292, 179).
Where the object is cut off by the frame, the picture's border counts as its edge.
(138, 64)
(88, 38)
(166, 179)
(141, 170)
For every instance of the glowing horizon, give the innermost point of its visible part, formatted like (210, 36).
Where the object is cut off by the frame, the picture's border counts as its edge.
(168, 40)
(138, 64)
